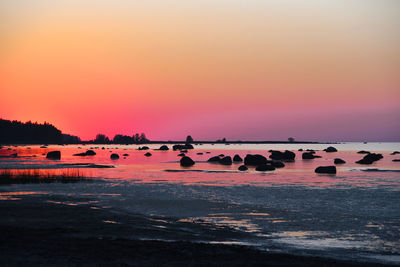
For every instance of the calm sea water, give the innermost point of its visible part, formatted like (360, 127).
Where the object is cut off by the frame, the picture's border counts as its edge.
(354, 214)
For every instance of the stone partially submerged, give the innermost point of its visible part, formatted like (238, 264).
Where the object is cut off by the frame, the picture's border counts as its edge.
(255, 160)
(54, 155)
(186, 162)
(326, 169)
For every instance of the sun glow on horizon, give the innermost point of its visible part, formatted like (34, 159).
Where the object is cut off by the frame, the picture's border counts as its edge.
(255, 70)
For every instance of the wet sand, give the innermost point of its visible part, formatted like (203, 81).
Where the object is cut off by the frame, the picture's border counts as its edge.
(40, 230)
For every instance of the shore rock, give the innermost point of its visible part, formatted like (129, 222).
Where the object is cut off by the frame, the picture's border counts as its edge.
(143, 148)
(255, 160)
(278, 164)
(164, 147)
(186, 161)
(114, 156)
(53, 155)
(330, 149)
(242, 168)
(326, 169)
(265, 167)
(370, 158)
(308, 155)
(226, 160)
(339, 161)
(237, 158)
(180, 147)
(278, 155)
(214, 159)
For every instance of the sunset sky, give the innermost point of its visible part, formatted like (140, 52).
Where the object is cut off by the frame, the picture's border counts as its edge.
(316, 70)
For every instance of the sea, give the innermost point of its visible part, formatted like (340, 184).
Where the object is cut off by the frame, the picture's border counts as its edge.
(351, 215)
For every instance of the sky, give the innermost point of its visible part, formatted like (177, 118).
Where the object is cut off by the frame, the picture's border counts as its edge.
(318, 70)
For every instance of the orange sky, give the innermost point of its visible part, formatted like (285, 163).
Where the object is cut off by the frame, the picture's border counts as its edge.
(259, 70)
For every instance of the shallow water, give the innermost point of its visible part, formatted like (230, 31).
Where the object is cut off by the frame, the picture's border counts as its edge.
(352, 215)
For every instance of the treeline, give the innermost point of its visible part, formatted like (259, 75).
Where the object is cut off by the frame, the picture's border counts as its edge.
(121, 139)
(16, 132)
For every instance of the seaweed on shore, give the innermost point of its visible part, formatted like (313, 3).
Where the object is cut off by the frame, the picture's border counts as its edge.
(35, 176)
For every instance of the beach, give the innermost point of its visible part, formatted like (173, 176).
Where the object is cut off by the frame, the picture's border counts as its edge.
(152, 211)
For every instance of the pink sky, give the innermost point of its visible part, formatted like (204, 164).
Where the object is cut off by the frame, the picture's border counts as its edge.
(253, 70)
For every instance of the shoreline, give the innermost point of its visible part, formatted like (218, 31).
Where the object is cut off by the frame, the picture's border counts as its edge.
(34, 230)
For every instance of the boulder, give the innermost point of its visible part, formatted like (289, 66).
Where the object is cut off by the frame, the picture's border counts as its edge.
(265, 167)
(255, 160)
(163, 147)
(125, 155)
(363, 152)
(53, 155)
(330, 149)
(300, 150)
(308, 155)
(237, 158)
(186, 161)
(87, 153)
(339, 161)
(278, 164)
(214, 159)
(226, 160)
(395, 153)
(114, 156)
(221, 155)
(396, 160)
(242, 168)
(200, 153)
(326, 169)
(90, 153)
(148, 154)
(143, 148)
(80, 154)
(278, 155)
(181, 155)
(180, 147)
(370, 158)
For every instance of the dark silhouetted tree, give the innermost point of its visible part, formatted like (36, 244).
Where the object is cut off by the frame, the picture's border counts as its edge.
(189, 139)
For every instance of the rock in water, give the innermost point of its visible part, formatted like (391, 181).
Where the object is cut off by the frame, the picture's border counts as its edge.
(363, 152)
(330, 149)
(278, 155)
(148, 154)
(326, 169)
(370, 158)
(226, 160)
(255, 160)
(242, 168)
(237, 158)
(339, 161)
(214, 159)
(278, 164)
(53, 155)
(186, 161)
(180, 147)
(265, 167)
(114, 156)
(307, 155)
(90, 153)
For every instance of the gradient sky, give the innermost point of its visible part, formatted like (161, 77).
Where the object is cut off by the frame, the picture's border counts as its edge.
(252, 70)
